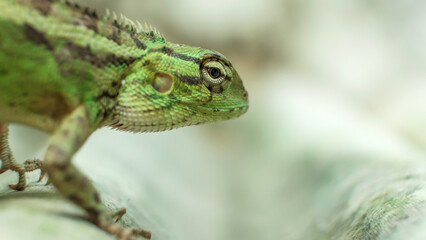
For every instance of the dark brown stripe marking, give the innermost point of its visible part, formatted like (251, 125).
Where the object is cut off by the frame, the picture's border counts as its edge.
(171, 53)
(76, 199)
(88, 22)
(93, 212)
(190, 80)
(73, 5)
(76, 6)
(91, 13)
(106, 94)
(43, 6)
(115, 36)
(115, 84)
(85, 54)
(69, 178)
(117, 61)
(103, 114)
(138, 43)
(97, 197)
(216, 89)
(227, 63)
(146, 63)
(37, 37)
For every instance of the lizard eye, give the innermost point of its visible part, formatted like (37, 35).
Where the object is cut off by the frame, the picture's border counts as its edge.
(214, 72)
(216, 75)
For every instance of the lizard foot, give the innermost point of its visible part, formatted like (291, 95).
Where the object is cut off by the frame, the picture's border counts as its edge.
(124, 233)
(21, 169)
(118, 214)
(31, 165)
(21, 182)
(110, 225)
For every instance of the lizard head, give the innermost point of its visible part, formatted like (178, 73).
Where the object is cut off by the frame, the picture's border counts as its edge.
(177, 85)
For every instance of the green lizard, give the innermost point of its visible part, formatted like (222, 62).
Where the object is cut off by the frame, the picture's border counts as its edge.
(67, 71)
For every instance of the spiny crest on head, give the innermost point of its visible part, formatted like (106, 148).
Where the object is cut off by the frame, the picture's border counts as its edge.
(121, 22)
(125, 23)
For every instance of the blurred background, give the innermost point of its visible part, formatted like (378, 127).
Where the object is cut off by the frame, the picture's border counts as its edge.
(337, 101)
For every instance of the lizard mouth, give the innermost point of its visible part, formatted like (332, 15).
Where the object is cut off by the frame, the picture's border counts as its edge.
(215, 114)
(239, 110)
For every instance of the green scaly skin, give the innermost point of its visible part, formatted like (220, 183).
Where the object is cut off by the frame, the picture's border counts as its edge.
(67, 71)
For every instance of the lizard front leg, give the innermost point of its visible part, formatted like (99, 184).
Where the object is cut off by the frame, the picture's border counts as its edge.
(9, 162)
(74, 185)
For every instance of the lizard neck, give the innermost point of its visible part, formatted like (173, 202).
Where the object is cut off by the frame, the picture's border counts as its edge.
(130, 107)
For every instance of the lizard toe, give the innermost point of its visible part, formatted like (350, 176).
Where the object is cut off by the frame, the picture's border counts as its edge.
(17, 187)
(124, 233)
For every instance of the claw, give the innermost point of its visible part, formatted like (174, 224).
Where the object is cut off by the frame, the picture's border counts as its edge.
(108, 224)
(125, 233)
(48, 182)
(119, 214)
(142, 233)
(135, 232)
(8, 162)
(17, 187)
(42, 174)
(31, 165)
(21, 169)
(21, 183)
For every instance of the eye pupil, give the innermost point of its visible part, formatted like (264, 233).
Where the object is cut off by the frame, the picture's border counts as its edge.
(214, 72)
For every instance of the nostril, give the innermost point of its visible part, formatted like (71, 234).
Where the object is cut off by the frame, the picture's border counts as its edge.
(245, 95)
